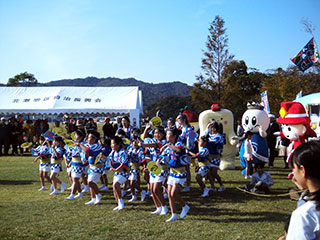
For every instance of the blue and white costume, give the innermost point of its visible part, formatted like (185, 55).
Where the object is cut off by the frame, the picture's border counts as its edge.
(105, 152)
(177, 162)
(78, 157)
(203, 157)
(96, 162)
(68, 156)
(188, 138)
(44, 153)
(154, 154)
(136, 156)
(215, 147)
(56, 159)
(117, 159)
(260, 151)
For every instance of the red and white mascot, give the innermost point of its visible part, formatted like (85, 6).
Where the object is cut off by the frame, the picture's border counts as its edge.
(295, 124)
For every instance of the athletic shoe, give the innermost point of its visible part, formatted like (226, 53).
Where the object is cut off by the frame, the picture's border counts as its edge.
(186, 189)
(51, 187)
(133, 199)
(143, 195)
(116, 208)
(42, 188)
(157, 211)
(184, 211)
(63, 187)
(221, 188)
(69, 188)
(246, 177)
(79, 195)
(173, 218)
(71, 197)
(205, 192)
(86, 188)
(164, 210)
(213, 189)
(55, 191)
(93, 200)
(121, 204)
(98, 198)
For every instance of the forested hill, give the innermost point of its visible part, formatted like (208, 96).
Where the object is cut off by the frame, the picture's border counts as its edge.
(150, 92)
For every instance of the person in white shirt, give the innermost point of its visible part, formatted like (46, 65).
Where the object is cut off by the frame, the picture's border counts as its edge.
(305, 220)
(248, 154)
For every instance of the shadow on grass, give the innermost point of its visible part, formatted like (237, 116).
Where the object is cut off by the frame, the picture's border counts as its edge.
(16, 182)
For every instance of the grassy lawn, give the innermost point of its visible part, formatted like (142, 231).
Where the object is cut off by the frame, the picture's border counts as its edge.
(26, 213)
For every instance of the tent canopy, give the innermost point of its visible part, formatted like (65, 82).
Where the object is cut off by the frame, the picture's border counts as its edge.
(311, 99)
(72, 100)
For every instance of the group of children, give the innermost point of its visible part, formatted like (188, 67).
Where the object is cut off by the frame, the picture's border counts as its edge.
(127, 155)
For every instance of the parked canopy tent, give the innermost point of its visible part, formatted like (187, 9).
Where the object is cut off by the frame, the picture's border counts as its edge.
(312, 104)
(72, 100)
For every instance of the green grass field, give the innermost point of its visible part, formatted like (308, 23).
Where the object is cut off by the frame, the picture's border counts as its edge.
(29, 214)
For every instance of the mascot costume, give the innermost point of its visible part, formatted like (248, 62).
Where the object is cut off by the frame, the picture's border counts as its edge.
(224, 117)
(295, 125)
(255, 120)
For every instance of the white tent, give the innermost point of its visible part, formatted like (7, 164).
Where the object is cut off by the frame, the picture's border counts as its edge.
(72, 100)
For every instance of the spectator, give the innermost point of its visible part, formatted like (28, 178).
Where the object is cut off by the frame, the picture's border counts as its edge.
(59, 130)
(41, 128)
(271, 138)
(91, 125)
(108, 129)
(4, 137)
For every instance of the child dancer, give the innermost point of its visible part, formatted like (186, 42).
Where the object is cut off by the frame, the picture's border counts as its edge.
(120, 165)
(203, 158)
(44, 155)
(156, 181)
(136, 156)
(248, 153)
(105, 151)
(176, 155)
(57, 152)
(304, 222)
(96, 165)
(77, 167)
(215, 147)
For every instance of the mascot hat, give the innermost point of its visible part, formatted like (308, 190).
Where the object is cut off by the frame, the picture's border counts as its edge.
(293, 113)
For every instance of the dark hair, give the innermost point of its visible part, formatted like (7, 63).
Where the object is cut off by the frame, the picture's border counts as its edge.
(160, 129)
(185, 118)
(80, 133)
(259, 164)
(126, 118)
(308, 155)
(248, 133)
(121, 132)
(59, 139)
(42, 138)
(95, 134)
(174, 131)
(118, 140)
(107, 141)
(205, 138)
(136, 130)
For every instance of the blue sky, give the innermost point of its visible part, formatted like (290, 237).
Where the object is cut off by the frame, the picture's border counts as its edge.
(152, 41)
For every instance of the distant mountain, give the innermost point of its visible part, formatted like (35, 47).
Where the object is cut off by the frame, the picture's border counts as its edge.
(150, 92)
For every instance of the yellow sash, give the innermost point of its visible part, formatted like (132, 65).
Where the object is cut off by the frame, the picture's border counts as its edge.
(100, 165)
(56, 161)
(206, 163)
(47, 160)
(76, 159)
(178, 170)
(134, 165)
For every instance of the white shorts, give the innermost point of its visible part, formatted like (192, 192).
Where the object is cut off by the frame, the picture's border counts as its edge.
(68, 169)
(55, 168)
(120, 179)
(76, 175)
(173, 181)
(157, 179)
(94, 177)
(44, 167)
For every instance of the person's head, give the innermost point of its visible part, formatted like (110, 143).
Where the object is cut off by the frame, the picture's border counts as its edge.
(93, 137)
(135, 142)
(136, 132)
(214, 128)
(41, 140)
(125, 121)
(306, 163)
(107, 142)
(271, 117)
(182, 120)
(170, 122)
(107, 120)
(80, 123)
(203, 141)
(239, 122)
(57, 123)
(172, 135)
(159, 133)
(58, 141)
(3, 120)
(79, 135)
(120, 133)
(116, 143)
(248, 135)
(259, 168)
